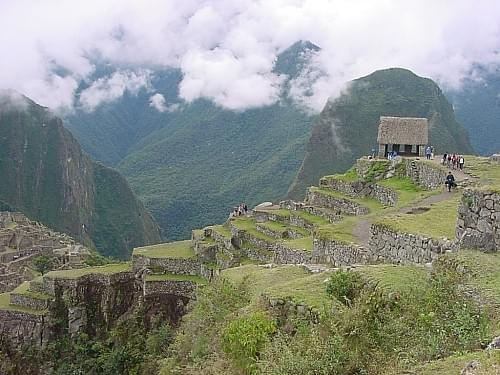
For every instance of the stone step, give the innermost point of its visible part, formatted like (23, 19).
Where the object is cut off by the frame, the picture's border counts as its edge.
(334, 201)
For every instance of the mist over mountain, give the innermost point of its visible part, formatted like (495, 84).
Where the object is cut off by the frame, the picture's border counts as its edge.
(192, 162)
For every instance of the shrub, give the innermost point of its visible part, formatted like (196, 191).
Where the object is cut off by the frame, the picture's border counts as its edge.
(245, 337)
(345, 286)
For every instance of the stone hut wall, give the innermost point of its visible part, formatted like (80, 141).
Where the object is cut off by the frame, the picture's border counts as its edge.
(478, 224)
(387, 245)
(338, 253)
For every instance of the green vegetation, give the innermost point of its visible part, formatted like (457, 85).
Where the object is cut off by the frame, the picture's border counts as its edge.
(489, 174)
(222, 230)
(281, 227)
(344, 286)
(340, 231)
(406, 190)
(108, 269)
(489, 364)
(5, 305)
(176, 277)
(438, 222)
(395, 278)
(178, 249)
(43, 263)
(348, 176)
(356, 114)
(24, 290)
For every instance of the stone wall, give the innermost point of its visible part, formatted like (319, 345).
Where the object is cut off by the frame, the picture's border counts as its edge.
(338, 253)
(28, 302)
(287, 308)
(424, 173)
(388, 245)
(181, 288)
(268, 215)
(330, 215)
(284, 255)
(478, 224)
(345, 206)
(23, 329)
(361, 189)
(190, 266)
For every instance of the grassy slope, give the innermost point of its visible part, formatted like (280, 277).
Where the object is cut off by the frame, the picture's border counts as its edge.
(347, 127)
(179, 249)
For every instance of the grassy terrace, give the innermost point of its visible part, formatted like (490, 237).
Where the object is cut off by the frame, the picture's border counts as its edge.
(395, 277)
(438, 222)
(221, 230)
(247, 224)
(178, 249)
(406, 190)
(172, 277)
(23, 289)
(341, 231)
(108, 269)
(489, 173)
(282, 282)
(280, 227)
(5, 305)
(349, 176)
(372, 204)
(490, 364)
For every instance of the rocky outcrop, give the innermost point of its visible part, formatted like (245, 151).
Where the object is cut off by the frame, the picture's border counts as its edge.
(478, 224)
(21, 328)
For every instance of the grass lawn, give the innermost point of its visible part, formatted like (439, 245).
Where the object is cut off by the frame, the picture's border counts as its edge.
(222, 230)
(107, 269)
(178, 249)
(5, 305)
(283, 281)
(438, 222)
(340, 231)
(489, 361)
(172, 277)
(24, 290)
(349, 176)
(407, 191)
(395, 277)
(281, 227)
(304, 243)
(489, 173)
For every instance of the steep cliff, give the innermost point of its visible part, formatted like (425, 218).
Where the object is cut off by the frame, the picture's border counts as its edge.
(45, 174)
(347, 127)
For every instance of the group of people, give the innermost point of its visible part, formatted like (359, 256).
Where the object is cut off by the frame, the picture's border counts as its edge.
(241, 209)
(392, 155)
(453, 161)
(429, 152)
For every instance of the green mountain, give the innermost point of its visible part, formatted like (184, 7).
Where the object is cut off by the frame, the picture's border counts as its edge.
(347, 127)
(477, 106)
(192, 165)
(47, 176)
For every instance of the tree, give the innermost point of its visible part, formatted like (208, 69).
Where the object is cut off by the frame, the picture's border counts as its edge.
(43, 263)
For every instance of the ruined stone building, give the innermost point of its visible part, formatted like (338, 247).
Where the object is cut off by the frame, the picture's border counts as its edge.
(408, 136)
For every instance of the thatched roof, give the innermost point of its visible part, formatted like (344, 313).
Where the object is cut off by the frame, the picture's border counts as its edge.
(403, 130)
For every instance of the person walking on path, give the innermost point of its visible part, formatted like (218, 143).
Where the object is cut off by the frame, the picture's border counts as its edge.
(445, 157)
(450, 181)
(428, 152)
(461, 162)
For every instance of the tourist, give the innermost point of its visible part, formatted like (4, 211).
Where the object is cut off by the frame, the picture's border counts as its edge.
(461, 162)
(454, 161)
(450, 181)
(245, 208)
(428, 152)
(445, 157)
(432, 152)
(449, 160)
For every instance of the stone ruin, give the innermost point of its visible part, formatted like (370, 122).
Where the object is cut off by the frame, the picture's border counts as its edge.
(22, 239)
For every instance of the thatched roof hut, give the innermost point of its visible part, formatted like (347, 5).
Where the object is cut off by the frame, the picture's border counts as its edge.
(403, 130)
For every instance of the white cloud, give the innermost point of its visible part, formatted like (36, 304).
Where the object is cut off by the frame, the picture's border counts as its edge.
(158, 102)
(226, 48)
(110, 88)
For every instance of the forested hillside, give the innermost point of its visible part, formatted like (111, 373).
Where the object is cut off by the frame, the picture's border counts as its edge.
(47, 176)
(192, 163)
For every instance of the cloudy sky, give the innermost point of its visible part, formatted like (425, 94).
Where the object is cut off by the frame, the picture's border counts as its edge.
(226, 48)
